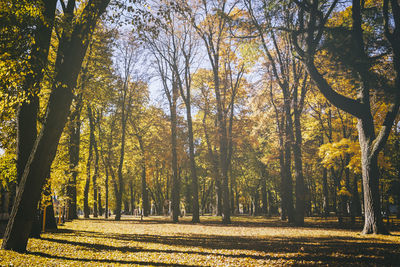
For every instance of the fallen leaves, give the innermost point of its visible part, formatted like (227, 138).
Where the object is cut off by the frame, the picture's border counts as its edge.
(247, 242)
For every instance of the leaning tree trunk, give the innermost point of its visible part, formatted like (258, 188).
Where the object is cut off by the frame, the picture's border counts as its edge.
(72, 49)
(28, 110)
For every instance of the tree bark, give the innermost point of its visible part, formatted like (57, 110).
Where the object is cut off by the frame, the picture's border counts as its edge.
(145, 194)
(28, 110)
(73, 153)
(175, 191)
(370, 144)
(288, 182)
(369, 165)
(100, 204)
(106, 188)
(96, 170)
(195, 182)
(325, 197)
(300, 191)
(132, 199)
(86, 208)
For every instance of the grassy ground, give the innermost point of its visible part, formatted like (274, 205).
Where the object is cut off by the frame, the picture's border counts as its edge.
(246, 242)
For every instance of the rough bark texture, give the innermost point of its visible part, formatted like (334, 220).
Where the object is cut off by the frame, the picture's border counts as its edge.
(70, 55)
(369, 165)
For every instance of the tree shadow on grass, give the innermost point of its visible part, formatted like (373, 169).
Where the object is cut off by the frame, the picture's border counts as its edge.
(321, 250)
(146, 263)
(250, 221)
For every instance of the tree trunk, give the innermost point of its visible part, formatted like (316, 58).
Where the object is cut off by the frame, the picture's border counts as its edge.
(94, 180)
(226, 209)
(298, 171)
(124, 117)
(175, 180)
(283, 189)
(232, 193)
(86, 208)
(96, 163)
(72, 48)
(256, 203)
(106, 188)
(73, 152)
(264, 195)
(195, 182)
(145, 194)
(218, 197)
(369, 165)
(132, 199)
(355, 198)
(100, 204)
(325, 197)
(288, 187)
(269, 197)
(28, 110)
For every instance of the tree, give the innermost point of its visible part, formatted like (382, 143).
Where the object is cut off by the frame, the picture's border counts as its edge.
(127, 66)
(212, 25)
(179, 54)
(72, 48)
(360, 59)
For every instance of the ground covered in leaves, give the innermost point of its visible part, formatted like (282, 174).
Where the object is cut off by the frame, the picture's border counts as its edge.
(246, 242)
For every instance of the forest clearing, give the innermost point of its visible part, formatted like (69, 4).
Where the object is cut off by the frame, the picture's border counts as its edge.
(248, 241)
(124, 122)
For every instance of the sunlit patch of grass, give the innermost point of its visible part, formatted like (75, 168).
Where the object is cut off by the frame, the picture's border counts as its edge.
(247, 241)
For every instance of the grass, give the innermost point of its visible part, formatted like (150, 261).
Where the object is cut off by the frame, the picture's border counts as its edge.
(246, 242)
